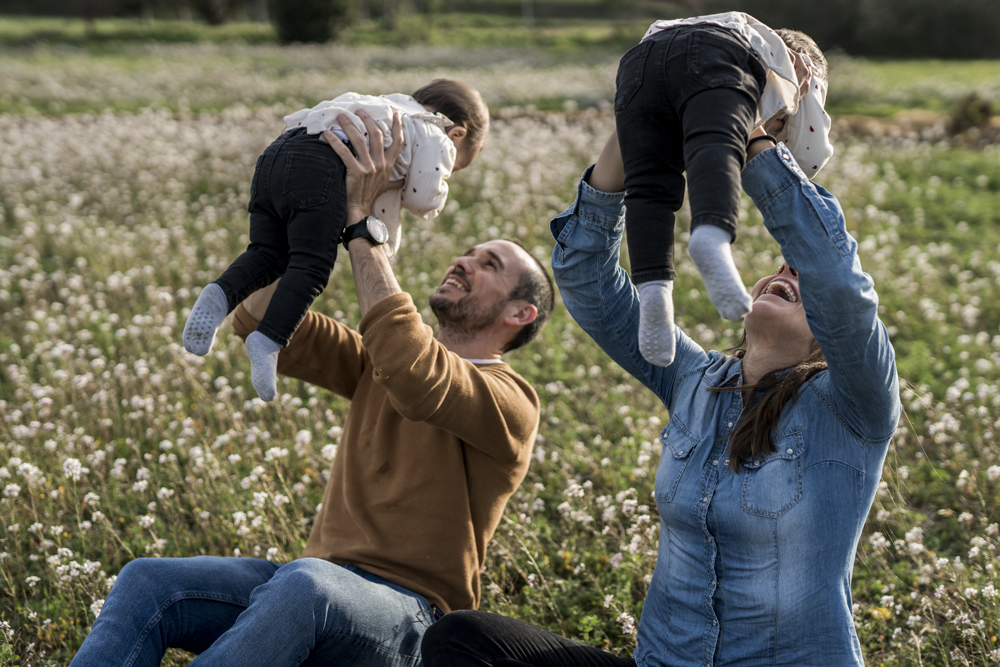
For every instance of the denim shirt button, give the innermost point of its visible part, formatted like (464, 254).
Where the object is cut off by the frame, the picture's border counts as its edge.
(715, 462)
(729, 425)
(788, 451)
(714, 622)
(726, 462)
(705, 499)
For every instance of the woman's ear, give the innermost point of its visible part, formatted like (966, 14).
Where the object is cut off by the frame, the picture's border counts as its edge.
(456, 133)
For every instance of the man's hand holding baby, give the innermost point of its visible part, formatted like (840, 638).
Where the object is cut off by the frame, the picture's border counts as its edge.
(368, 173)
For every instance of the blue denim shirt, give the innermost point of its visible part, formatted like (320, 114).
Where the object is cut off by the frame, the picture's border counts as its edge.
(754, 568)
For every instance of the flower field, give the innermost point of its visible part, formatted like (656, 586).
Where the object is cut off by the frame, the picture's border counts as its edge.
(123, 190)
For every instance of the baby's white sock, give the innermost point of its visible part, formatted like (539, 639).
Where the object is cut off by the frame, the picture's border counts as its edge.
(656, 321)
(709, 247)
(263, 355)
(209, 311)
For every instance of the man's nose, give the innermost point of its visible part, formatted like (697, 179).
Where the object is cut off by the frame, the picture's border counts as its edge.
(464, 263)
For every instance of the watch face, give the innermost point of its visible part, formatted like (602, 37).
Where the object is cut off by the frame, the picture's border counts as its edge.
(377, 230)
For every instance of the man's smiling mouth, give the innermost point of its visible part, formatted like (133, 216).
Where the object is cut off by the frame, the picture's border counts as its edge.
(456, 283)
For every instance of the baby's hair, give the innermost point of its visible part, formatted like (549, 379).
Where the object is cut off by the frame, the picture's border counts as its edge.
(461, 103)
(803, 43)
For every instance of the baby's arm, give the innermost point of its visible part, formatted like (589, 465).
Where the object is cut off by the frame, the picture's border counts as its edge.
(433, 156)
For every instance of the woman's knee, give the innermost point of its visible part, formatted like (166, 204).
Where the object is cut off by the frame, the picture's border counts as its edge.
(453, 635)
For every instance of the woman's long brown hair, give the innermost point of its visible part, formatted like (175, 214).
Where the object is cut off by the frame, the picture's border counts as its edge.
(753, 436)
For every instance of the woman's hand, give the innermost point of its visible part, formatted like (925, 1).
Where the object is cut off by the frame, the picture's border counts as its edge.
(368, 173)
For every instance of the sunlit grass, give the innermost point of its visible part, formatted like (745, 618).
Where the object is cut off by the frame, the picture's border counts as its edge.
(110, 221)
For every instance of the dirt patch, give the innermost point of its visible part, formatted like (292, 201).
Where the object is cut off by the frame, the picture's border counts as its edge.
(915, 125)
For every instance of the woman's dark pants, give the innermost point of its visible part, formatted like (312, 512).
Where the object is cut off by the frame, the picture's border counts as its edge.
(298, 210)
(482, 639)
(686, 99)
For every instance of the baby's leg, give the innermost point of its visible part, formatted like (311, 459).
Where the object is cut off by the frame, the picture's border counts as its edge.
(261, 264)
(651, 144)
(207, 315)
(313, 202)
(717, 123)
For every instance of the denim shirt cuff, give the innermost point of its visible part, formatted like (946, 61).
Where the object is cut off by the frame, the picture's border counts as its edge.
(768, 174)
(604, 209)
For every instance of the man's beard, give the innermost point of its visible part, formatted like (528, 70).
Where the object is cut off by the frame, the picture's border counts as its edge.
(464, 317)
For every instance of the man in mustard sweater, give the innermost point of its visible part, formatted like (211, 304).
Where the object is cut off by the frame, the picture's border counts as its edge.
(438, 437)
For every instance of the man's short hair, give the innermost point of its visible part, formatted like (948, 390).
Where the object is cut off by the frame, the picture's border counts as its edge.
(535, 287)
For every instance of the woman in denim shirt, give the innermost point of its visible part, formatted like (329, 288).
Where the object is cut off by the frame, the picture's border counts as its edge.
(770, 461)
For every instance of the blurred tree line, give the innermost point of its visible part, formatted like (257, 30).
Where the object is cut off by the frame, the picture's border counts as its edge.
(877, 28)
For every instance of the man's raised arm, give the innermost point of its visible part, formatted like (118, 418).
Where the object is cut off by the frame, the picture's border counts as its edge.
(367, 178)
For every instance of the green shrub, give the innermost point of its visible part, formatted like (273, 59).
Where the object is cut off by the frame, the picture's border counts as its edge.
(308, 20)
(971, 111)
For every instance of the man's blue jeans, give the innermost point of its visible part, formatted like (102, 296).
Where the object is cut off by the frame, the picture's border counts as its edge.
(247, 611)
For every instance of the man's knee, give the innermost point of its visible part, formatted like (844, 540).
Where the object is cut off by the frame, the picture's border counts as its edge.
(312, 579)
(141, 574)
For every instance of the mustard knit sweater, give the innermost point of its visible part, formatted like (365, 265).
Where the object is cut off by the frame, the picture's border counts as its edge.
(432, 448)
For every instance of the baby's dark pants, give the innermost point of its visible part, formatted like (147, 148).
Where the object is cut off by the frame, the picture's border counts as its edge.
(686, 99)
(298, 210)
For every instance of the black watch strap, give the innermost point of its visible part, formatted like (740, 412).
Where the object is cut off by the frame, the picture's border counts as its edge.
(370, 228)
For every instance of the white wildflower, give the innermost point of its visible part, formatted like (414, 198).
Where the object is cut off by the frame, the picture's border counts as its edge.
(627, 623)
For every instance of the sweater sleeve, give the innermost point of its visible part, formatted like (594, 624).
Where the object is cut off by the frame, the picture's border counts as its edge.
(323, 352)
(489, 407)
(426, 188)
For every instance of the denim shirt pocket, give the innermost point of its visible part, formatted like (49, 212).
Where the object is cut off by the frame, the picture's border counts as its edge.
(628, 81)
(772, 484)
(677, 447)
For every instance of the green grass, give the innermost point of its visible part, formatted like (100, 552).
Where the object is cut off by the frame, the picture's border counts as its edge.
(113, 217)
(567, 36)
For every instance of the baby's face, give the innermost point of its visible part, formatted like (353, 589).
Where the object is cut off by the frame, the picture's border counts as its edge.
(466, 156)
(466, 152)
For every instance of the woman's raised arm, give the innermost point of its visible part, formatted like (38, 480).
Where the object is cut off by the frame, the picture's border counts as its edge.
(839, 298)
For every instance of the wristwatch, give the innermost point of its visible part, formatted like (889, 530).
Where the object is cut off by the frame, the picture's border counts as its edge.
(370, 228)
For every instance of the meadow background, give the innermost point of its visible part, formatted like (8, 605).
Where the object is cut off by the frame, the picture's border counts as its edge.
(125, 167)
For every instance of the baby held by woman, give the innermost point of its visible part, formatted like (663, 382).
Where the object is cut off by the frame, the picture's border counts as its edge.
(688, 97)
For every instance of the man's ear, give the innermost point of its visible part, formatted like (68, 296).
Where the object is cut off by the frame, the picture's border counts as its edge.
(456, 132)
(520, 313)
